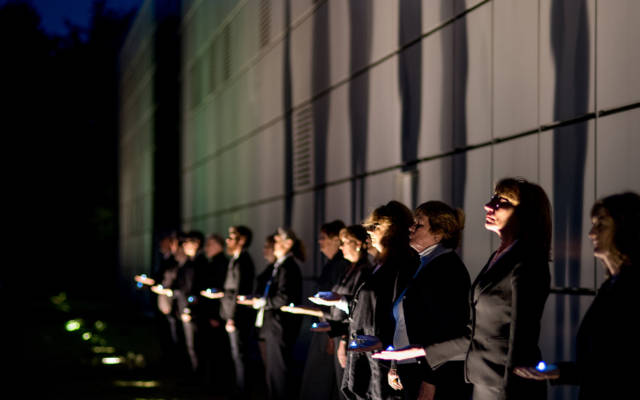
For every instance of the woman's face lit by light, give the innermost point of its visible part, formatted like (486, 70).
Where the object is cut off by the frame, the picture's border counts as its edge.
(601, 234)
(377, 231)
(499, 212)
(350, 247)
(281, 246)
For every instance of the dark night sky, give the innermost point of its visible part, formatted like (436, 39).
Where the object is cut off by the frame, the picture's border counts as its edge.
(54, 13)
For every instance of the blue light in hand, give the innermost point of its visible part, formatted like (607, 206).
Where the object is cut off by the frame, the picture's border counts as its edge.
(390, 348)
(541, 366)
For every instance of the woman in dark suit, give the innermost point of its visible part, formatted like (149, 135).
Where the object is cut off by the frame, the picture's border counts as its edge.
(433, 307)
(370, 310)
(280, 329)
(607, 354)
(506, 299)
(353, 244)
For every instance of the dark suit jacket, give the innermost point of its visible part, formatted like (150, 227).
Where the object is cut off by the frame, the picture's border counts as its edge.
(507, 301)
(371, 314)
(607, 356)
(209, 274)
(286, 288)
(239, 281)
(183, 285)
(331, 273)
(353, 276)
(436, 306)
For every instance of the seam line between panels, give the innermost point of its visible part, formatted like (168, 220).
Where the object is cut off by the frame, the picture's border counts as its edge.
(321, 93)
(490, 143)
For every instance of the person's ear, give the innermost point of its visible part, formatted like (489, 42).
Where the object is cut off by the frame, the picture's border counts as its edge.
(242, 240)
(438, 237)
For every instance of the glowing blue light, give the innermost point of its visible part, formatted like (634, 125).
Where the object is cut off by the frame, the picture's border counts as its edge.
(190, 299)
(314, 325)
(390, 348)
(144, 276)
(353, 343)
(541, 366)
(291, 305)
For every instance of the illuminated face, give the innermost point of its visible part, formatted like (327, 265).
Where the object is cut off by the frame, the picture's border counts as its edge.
(601, 234)
(233, 241)
(376, 232)
(350, 247)
(420, 234)
(190, 247)
(282, 246)
(328, 246)
(499, 212)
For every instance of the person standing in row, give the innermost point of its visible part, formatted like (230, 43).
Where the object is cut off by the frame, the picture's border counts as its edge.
(280, 329)
(433, 307)
(238, 281)
(606, 353)
(353, 244)
(318, 381)
(506, 300)
(212, 344)
(370, 310)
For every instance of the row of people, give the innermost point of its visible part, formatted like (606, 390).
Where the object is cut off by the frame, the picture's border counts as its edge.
(396, 283)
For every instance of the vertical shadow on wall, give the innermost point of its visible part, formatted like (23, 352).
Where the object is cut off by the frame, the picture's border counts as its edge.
(570, 43)
(455, 70)
(361, 14)
(410, 83)
(166, 138)
(320, 106)
(288, 119)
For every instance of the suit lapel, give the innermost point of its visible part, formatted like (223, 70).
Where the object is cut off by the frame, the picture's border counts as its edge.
(491, 275)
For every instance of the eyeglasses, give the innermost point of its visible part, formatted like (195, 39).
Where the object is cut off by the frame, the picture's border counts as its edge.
(496, 202)
(372, 227)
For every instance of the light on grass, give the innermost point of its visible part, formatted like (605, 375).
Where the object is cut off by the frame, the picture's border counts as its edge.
(112, 360)
(73, 325)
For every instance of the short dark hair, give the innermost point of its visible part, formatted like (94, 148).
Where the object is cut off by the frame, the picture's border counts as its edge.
(246, 233)
(624, 209)
(196, 235)
(332, 229)
(444, 220)
(358, 232)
